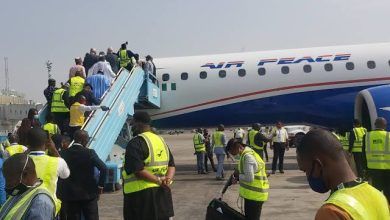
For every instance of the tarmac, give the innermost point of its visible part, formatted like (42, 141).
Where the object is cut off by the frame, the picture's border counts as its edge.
(290, 196)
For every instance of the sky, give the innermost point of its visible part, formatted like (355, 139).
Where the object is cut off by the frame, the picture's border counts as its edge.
(33, 32)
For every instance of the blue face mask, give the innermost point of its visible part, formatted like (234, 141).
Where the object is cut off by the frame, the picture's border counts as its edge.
(36, 117)
(317, 184)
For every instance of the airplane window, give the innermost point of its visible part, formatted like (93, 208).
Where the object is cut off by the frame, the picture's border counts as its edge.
(203, 75)
(371, 64)
(173, 86)
(222, 74)
(165, 77)
(285, 69)
(164, 87)
(307, 68)
(184, 76)
(241, 72)
(328, 67)
(261, 71)
(350, 66)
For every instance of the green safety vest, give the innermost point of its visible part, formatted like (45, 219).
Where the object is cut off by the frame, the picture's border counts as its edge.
(378, 150)
(257, 190)
(358, 143)
(344, 140)
(51, 128)
(361, 202)
(57, 103)
(46, 168)
(17, 209)
(15, 149)
(124, 59)
(156, 163)
(76, 85)
(217, 139)
(198, 143)
(251, 137)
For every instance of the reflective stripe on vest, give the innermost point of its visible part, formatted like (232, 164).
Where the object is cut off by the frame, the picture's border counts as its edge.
(361, 202)
(47, 170)
(251, 136)
(257, 190)
(198, 143)
(76, 85)
(57, 103)
(217, 139)
(15, 149)
(378, 150)
(15, 209)
(124, 58)
(77, 117)
(358, 142)
(156, 163)
(51, 128)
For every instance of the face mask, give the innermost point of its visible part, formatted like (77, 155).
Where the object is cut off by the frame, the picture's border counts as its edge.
(21, 187)
(316, 183)
(36, 117)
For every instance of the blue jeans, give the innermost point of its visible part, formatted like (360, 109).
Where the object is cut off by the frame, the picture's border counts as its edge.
(220, 159)
(200, 161)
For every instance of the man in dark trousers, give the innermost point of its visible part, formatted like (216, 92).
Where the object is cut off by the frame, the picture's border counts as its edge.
(209, 151)
(148, 172)
(80, 192)
(355, 145)
(280, 144)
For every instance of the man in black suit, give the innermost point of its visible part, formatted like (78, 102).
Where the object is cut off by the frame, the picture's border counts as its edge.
(80, 192)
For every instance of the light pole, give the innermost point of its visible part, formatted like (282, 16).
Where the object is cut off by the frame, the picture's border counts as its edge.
(49, 67)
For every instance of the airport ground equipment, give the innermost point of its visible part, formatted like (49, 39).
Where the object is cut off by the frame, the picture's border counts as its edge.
(129, 90)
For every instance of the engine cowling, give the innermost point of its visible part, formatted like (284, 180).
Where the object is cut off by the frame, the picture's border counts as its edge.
(373, 103)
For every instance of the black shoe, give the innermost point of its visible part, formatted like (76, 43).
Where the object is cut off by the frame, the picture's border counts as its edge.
(215, 170)
(203, 172)
(273, 172)
(281, 171)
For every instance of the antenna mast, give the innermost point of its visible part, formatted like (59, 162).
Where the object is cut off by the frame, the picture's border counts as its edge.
(6, 75)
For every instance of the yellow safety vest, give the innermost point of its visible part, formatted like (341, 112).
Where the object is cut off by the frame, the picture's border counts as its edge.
(77, 117)
(47, 170)
(15, 149)
(344, 140)
(51, 128)
(378, 150)
(358, 143)
(76, 85)
(156, 163)
(251, 137)
(217, 139)
(257, 190)
(57, 103)
(361, 202)
(124, 59)
(198, 143)
(17, 209)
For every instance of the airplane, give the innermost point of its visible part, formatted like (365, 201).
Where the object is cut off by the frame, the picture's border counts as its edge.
(325, 86)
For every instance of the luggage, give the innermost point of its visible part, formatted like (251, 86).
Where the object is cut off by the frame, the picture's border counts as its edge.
(219, 210)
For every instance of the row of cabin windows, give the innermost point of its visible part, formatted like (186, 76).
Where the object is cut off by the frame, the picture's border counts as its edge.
(261, 71)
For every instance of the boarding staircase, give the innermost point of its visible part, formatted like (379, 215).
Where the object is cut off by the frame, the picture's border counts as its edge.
(130, 90)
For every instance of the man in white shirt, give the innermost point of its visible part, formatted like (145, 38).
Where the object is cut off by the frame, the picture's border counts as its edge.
(280, 144)
(103, 67)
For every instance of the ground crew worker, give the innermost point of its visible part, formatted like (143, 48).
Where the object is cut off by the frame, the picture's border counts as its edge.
(149, 168)
(77, 111)
(200, 150)
(355, 146)
(14, 147)
(126, 57)
(59, 107)
(76, 84)
(218, 141)
(376, 151)
(257, 140)
(280, 145)
(321, 156)
(239, 133)
(252, 177)
(344, 140)
(48, 168)
(29, 199)
(50, 126)
(209, 151)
